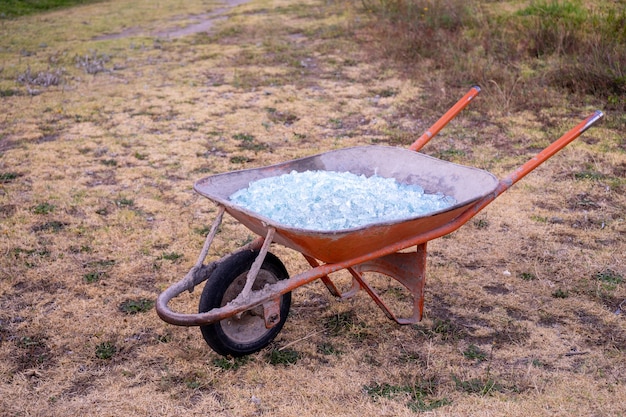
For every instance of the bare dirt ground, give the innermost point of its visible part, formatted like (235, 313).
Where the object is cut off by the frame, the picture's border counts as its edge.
(108, 119)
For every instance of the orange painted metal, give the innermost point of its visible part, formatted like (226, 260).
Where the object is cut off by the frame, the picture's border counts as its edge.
(343, 250)
(449, 115)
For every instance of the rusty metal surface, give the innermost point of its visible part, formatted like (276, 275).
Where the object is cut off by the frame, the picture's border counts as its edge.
(465, 184)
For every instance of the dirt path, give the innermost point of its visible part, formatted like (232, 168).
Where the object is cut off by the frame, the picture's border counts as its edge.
(201, 23)
(98, 216)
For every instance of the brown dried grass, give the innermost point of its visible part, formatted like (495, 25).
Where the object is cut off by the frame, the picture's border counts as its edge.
(115, 154)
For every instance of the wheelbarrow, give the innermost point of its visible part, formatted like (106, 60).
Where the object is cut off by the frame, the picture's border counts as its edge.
(247, 295)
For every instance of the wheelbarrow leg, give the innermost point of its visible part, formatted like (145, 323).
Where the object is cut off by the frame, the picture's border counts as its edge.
(407, 268)
(331, 286)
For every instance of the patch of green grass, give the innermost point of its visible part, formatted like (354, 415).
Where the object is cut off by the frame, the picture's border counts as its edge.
(420, 394)
(6, 177)
(141, 305)
(527, 276)
(559, 293)
(98, 270)
(328, 349)
(450, 154)
(478, 386)
(230, 364)
(473, 352)
(481, 224)
(14, 8)
(9, 92)
(172, 256)
(202, 231)
(105, 350)
(109, 162)
(124, 202)
(92, 277)
(239, 159)
(141, 156)
(283, 357)
(53, 226)
(386, 92)
(43, 208)
(442, 328)
(588, 175)
(248, 142)
(609, 276)
(348, 324)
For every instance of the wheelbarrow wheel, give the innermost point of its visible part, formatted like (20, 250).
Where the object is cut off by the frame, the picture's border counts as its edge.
(245, 333)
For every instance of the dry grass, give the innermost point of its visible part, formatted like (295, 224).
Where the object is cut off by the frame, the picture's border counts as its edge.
(97, 217)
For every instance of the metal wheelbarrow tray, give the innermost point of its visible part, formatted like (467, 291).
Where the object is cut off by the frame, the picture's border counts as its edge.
(463, 183)
(247, 294)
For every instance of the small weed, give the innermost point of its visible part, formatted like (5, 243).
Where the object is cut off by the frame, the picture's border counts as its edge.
(445, 329)
(249, 143)
(124, 202)
(6, 177)
(164, 338)
(28, 342)
(244, 137)
(285, 118)
(192, 383)
(141, 156)
(539, 219)
(386, 92)
(473, 352)
(105, 350)
(172, 256)
(560, 294)
(136, 306)
(339, 323)
(328, 349)
(283, 357)
(609, 276)
(450, 154)
(527, 276)
(43, 208)
(9, 92)
(42, 79)
(481, 224)
(477, 386)
(336, 123)
(202, 231)
(54, 226)
(588, 175)
(240, 159)
(538, 363)
(95, 276)
(35, 352)
(419, 393)
(92, 63)
(230, 364)
(102, 262)
(109, 162)
(384, 390)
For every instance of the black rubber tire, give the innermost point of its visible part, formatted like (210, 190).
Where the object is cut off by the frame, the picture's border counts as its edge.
(247, 334)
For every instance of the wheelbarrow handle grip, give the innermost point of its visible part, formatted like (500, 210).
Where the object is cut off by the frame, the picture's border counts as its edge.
(552, 149)
(449, 115)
